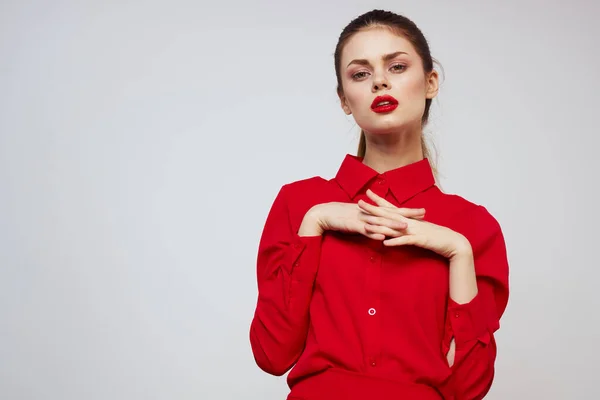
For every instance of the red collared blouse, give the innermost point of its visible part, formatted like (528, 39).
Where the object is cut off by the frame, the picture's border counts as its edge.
(359, 320)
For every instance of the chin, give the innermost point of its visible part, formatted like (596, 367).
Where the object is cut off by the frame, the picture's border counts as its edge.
(384, 127)
(386, 124)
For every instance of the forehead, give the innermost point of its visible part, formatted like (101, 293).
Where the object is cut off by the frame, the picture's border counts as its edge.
(372, 43)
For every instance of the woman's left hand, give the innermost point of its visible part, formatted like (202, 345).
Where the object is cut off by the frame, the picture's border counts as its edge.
(439, 239)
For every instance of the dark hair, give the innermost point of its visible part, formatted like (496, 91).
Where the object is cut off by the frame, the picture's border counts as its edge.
(401, 26)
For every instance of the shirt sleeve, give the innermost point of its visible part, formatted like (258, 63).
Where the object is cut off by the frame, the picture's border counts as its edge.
(472, 325)
(286, 268)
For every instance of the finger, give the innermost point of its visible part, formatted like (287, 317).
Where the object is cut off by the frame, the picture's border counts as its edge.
(411, 212)
(369, 208)
(384, 230)
(373, 235)
(417, 213)
(391, 211)
(359, 227)
(363, 213)
(379, 211)
(401, 241)
(380, 201)
(390, 223)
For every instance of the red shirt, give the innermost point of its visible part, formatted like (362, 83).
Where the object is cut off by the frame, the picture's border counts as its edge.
(360, 320)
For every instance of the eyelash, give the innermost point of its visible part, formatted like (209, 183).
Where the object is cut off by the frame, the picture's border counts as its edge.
(355, 76)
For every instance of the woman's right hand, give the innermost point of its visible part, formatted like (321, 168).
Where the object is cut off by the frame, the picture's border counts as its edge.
(349, 218)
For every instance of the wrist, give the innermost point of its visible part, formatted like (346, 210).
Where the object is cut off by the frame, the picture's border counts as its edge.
(462, 250)
(311, 224)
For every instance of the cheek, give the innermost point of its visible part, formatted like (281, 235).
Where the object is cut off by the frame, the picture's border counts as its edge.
(406, 81)
(417, 91)
(413, 87)
(356, 97)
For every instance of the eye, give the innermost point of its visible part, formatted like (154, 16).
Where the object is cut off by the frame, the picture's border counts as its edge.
(398, 67)
(359, 75)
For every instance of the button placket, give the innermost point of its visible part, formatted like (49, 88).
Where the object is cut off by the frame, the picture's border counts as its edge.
(373, 258)
(373, 289)
(382, 186)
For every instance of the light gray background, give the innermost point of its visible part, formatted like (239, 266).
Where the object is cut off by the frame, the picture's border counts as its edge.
(142, 143)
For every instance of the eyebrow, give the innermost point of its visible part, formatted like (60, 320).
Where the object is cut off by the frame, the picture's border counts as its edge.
(386, 57)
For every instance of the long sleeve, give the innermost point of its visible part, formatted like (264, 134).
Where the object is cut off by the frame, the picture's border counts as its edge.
(286, 268)
(472, 325)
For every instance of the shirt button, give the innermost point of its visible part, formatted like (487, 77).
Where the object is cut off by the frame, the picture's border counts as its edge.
(456, 315)
(372, 258)
(372, 311)
(373, 363)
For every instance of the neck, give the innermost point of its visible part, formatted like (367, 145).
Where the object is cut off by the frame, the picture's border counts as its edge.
(394, 150)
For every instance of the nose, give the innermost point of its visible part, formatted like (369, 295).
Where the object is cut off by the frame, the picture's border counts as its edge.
(381, 82)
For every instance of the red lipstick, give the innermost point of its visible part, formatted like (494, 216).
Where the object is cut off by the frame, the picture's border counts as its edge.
(389, 104)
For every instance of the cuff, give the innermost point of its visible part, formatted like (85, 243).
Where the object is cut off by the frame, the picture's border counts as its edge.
(305, 255)
(467, 321)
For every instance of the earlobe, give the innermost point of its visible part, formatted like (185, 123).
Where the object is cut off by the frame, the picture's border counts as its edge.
(345, 106)
(432, 92)
(432, 85)
(343, 102)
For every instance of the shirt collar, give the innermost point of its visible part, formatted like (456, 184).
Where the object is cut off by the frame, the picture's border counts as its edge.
(404, 182)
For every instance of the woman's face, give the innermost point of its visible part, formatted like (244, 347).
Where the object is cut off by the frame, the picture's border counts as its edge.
(377, 62)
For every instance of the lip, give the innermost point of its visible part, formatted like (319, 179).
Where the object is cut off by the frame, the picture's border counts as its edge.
(386, 108)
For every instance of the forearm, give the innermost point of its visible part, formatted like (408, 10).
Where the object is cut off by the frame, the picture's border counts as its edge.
(462, 280)
(280, 324)
(478, 292)
(287, 264)
(469, 380)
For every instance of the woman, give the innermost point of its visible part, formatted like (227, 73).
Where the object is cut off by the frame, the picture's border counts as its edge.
(375, 284)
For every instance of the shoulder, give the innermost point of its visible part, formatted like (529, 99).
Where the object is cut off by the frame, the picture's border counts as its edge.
(305, 185)
(465, 208)
(470, 218)
(484, 233)
(305, 193)
(301, 195)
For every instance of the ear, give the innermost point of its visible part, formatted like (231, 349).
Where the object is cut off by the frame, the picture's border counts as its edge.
(432, 85)
(344, 104)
